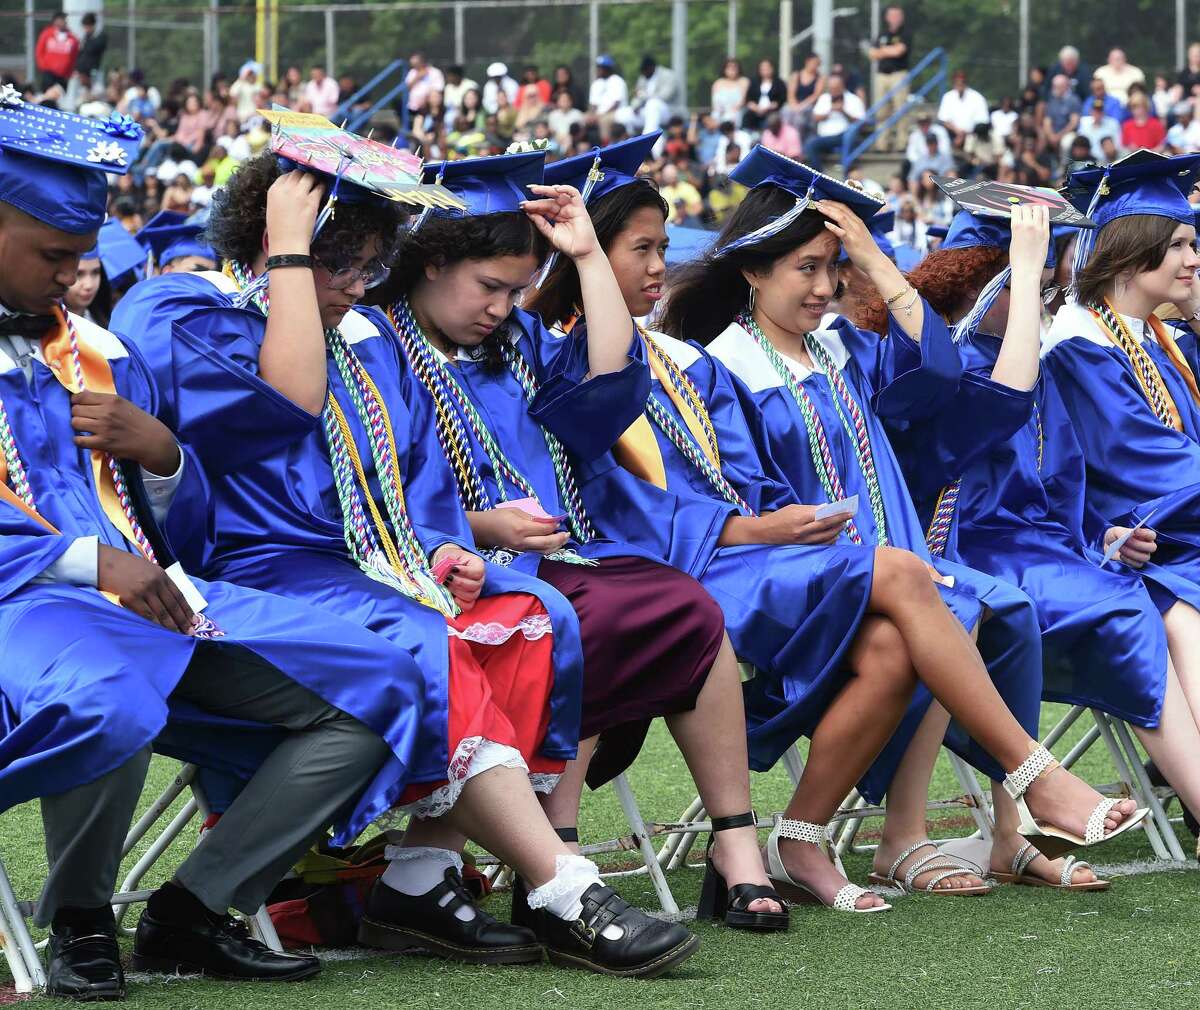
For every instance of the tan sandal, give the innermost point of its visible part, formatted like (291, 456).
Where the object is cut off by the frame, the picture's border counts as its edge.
(953, 866)
(1027, 853)
(1050, 841)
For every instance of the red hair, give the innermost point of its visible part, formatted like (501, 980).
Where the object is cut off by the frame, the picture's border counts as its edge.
(945, 279)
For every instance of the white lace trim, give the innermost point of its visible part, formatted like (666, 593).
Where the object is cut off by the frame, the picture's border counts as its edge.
(544, 782)
(473, 756)
(402, 854)
(494, 633)
(572, 875)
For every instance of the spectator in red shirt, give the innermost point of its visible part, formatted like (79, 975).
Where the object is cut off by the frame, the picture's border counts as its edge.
(1142, 129)
(56, 53)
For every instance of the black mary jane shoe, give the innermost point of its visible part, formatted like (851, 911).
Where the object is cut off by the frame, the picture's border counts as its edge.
(401, 922)
(646, 948)
(85, 965)
(719, 902)
(522, 914)
(216, 946)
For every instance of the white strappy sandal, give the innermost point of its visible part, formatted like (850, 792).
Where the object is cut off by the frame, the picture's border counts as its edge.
(846, 900)
(941, 864)
(1050, 841)
(1026, 854)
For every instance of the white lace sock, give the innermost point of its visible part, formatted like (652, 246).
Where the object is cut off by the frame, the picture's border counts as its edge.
(561, 894)
(418, 870)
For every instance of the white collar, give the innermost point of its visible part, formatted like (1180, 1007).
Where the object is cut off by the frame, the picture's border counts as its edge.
(682, 353)
(742, 355)
(1076, 321)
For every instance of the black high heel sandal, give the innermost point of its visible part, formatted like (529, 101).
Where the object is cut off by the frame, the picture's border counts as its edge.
(718, 901)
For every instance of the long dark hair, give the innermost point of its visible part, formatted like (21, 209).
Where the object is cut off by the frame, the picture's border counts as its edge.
(445, 241)
(559, 295)
(708, 294)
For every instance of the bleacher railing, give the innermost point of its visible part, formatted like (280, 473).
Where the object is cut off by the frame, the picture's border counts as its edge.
(936, 65)
(380, 91)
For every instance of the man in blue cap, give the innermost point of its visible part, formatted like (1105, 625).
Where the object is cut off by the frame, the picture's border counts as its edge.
(607, 97)
(100, 634)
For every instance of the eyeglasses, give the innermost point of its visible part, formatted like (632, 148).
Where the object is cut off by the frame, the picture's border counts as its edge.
(371, 275)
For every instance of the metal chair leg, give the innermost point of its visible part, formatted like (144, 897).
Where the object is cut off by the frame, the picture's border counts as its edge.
(638, 826)
(19, 950)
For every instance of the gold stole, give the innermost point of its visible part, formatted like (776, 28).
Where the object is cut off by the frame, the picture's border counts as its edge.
(637, 449)
(97, 374)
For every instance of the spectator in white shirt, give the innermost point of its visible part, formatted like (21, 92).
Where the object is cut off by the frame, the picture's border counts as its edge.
(1097, 125)
(1118, 74)
(321, 92)
(654, 98)
(732, 139)
(1184, 136)
(607, 97)
(422, 81)
(934, 160)
(497, 79)
(457, 85)
(917, 145)
(1003, 121)
(962, 110)
(562, 117)
(833, 113)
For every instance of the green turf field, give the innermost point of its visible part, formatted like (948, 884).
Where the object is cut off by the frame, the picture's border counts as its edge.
(1135, 946)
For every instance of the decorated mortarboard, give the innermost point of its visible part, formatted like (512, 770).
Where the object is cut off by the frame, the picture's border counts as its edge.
(1140, 183)
(600, 172)
(54, 165)
(985, 198)
(763, 167)
(360, 168)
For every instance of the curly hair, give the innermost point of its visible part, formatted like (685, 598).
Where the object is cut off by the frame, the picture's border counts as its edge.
(946, 279)
(239, 219)
(444, 241)
(559, 295)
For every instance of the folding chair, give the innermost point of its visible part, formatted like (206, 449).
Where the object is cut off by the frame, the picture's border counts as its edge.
(1123, 752)
(189, 735)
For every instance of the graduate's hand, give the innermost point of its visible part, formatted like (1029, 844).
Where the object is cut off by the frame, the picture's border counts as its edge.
(1137, 550)
(1030, 239)
(852, 231)
(117, 427)
(516, 530)
(797, 524)
(144, 588)
(560, 215)
(465, 580)
(293, 203)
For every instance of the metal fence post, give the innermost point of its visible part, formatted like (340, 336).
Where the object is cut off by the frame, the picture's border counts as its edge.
(731, 29)
(131, 35)
(460, 35)
(679, 39)
(1023, 53)
(593, 37)
(30, 41)
(330, 43)
(214, 7)
(785, 39)
(1180, 34)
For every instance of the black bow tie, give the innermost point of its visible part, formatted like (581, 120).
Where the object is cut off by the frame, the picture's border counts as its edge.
(30, 327)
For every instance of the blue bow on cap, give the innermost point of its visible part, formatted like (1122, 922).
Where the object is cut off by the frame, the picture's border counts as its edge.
(764, 167)
(54, 165)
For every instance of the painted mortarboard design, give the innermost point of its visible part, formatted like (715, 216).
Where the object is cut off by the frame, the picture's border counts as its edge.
(360, 168)
(986, 198)
(55, 165)
(763, 167)
(600, 172)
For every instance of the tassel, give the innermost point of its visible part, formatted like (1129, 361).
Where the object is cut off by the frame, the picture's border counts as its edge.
(424, 215)
(1085, 238)
(987, 298)
(769, 229)
(594, 176)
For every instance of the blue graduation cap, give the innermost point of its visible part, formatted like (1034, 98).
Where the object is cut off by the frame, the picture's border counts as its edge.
(605, 169)
(687, 244)
(54, 165)
(879, 226)
(938, 231)
(118, 251)
(490, 185)
(763, 167)
(175, 240)
(1140, 183)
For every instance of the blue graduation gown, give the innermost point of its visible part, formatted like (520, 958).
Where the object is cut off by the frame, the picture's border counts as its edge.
(1020, 517)
(278, 523)
(588, 417)
(893, 377)
(85, 684)
(1135, 463)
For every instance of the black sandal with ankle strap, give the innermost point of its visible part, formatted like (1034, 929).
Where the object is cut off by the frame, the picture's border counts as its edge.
(732, 904)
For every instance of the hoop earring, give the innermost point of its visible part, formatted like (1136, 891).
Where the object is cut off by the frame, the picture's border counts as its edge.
(753, 292)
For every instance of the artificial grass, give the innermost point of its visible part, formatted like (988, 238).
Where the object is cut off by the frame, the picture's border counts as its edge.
(1135, 946)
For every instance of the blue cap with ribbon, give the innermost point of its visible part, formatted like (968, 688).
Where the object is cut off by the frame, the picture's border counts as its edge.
(764, 167)
(598, 173)
(54, 165)
(174, 240)
(491, 185)
(1140, 183)
(879, 226)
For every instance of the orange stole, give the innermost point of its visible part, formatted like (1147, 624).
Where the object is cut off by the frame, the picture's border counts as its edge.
(1171, 349)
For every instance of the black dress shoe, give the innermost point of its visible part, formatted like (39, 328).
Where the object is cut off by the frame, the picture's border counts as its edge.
(401, 922)
(84, 965)
(647, 946)
(217, 947)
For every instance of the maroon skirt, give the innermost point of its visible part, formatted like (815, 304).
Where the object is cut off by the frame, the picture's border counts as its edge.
(650, 635)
